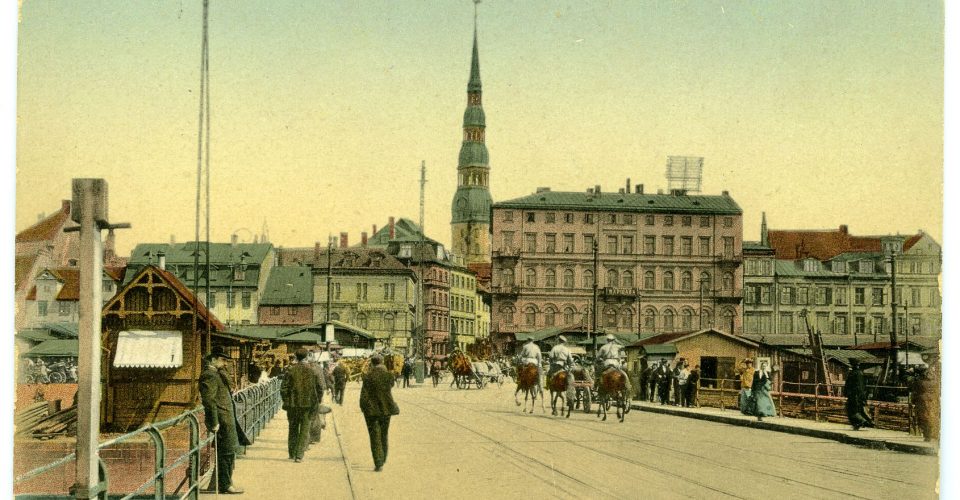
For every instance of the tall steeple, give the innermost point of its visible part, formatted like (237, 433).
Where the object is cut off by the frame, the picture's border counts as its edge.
(764, 239)
(470, 223)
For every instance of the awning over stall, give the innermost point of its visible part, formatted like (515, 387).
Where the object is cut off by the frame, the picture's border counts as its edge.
(149, 349)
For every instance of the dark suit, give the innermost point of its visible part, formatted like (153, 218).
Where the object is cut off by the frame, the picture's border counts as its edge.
(855, 389)
(301, 390)
(218, 409)
(377, 405)
(339, 383)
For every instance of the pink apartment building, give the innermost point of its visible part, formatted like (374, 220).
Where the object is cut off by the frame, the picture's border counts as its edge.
(660, 262)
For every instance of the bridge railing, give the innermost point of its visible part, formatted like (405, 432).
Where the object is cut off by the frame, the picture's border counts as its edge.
(255, 406)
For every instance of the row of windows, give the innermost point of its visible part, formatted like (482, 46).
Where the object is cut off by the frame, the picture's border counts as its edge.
(836, 324)
(360, 291)
(668, 280)
(246, 299)
(826, 296)
(614, 218)
(619, 244)
(63, 308)
(464, 282)
(652, 320)
(362, 319)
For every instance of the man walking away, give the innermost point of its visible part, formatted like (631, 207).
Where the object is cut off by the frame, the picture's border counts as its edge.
(339, 382)
(406, 371)
(665, 381)
(377, 405)
(301, 389)
(221, 418)
(435, 372)
(855, 389)
(319, 420)
(693, 387)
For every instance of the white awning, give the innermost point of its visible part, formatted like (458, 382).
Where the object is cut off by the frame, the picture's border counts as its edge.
(149, 349)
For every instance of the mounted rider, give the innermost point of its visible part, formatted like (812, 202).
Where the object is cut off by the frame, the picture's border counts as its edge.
(611, 355)
(560, 358)
(530, 355)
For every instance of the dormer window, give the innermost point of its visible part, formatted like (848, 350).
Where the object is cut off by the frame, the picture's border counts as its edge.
(811, 265)
(837, 266)
(866, 267)
(406, 251)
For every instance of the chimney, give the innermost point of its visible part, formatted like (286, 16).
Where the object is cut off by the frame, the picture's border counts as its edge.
(596, 189)
(374, 233)
(621, 191)
(109, 247)
(628, 186)
(317, 249)
(764, 235)
(279, 256)
(162, 264)
(344, 240)
(589, 190)
(639, 189)
(659, 191)
(233, 239)
(543, 190)
(393, 229)
(363, 239)
(843, 229)
(173, 240)
(726, 193)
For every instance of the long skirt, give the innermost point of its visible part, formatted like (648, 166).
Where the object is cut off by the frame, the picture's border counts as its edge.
(763, 403)
(744, 401)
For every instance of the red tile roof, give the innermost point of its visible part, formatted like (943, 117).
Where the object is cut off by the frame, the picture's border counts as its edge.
(32, 294)
(22, 270)
(821, 245)
(71, 283)
(911, 241)
(48, 228)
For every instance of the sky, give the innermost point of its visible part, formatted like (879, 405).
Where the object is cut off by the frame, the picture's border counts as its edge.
(817, 113)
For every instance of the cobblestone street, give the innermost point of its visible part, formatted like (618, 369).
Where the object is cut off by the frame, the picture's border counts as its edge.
(449, 443)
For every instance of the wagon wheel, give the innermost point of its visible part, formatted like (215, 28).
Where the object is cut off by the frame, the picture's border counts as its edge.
(57, 378)
(586, 400)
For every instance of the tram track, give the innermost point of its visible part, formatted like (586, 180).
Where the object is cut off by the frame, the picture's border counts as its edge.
(657, 449)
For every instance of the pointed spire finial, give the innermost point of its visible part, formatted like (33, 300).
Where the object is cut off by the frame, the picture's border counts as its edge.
(474, 84)
(764, 239)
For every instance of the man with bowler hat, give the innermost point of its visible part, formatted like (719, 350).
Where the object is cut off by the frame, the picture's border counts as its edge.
(377, 405)
(301, 391)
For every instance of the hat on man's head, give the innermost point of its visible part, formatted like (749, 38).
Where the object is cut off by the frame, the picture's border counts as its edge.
(854, 362)
(562, 338)
(611, 337)
(219, 352)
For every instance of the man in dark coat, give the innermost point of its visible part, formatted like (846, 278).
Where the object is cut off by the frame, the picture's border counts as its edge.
(664, 383)
(855, 389)
(220, 417)
(693, 387)
(377, 405)
(406, 371)
(301, 389)
(339, 382)
(654, 380)
(319, 420)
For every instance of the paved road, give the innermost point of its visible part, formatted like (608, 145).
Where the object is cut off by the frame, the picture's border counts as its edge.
(476, 444)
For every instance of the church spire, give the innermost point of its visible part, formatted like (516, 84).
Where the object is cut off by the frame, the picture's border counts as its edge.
(474, 84)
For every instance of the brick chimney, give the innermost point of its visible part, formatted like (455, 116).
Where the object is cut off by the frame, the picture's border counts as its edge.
(374, 233)
(363, 239)
(393, 229)
(844, 229)
(162, 257)
(344, 240)
(109, 248)
(639, 189)
(317, 249)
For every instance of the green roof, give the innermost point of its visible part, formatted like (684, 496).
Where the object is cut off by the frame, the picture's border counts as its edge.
(471, 204)
(402, 229)
(36, 335)
(474, 117)
(288, 285)
(651, 203)
(55, 348)
(473, 154)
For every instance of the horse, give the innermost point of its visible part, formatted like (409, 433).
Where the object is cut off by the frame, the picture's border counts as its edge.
(581, 392)
(561, 389)
(462, 370)
(613, 389)
(527, 382)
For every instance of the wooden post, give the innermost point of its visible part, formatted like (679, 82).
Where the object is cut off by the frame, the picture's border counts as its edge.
(816, 402)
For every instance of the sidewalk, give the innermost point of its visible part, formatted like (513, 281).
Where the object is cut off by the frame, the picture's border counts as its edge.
(868, 437)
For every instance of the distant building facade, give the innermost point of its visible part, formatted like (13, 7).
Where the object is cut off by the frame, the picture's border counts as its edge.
(56, 296)
(843, 282)
(664, 262)
(287, 298)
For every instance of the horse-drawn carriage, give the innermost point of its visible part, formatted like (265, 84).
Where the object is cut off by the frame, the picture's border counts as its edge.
(467, 373)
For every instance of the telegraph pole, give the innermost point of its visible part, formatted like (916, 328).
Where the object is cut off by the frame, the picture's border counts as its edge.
(329, 275)
(596, 264)
(89, 209)
(893, 315)
(421, 315)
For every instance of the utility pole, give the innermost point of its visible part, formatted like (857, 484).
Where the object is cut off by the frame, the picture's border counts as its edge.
(421, 315)
(89, 209)
(596, 265)
(893, 314)
(329, 276)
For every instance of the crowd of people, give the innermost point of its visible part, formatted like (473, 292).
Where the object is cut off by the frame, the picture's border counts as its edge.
(678, 385)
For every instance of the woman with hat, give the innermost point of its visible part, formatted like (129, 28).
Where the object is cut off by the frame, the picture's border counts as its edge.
(745, 370)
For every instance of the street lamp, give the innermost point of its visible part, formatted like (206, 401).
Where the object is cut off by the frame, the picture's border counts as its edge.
(891, 249)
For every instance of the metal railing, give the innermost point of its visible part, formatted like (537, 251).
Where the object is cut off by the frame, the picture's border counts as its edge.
(255, 406)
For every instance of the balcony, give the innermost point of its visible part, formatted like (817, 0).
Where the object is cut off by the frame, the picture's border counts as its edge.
(729, 259)
(614, 292)
(510, 290)
(728, 296)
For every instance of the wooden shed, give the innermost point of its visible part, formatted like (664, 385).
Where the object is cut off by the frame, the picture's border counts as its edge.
(716, 352)
(153, 342)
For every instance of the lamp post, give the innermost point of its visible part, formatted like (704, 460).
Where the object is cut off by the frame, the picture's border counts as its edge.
(596, 264)
(892, 258)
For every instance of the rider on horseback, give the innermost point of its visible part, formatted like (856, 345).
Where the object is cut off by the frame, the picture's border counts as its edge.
(530, 355)
(560, 358)
(610, 355)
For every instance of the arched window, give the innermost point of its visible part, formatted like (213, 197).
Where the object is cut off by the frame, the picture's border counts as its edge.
(686, 319)
(650, 319)
(551, 278)
(530, 315)
(531, 279)
(389, 322)
(626, 318)
(728, 281)
(686, 281)
(610, 317)
(568, 278)
(362, 320)
(668, 281)
(508, 277)
(706, 316)
(728, 323)
(569, 315)
(649, 280)
(613, 278)
(668, 320)
(705, 281)
(627, 279)
(507, 313)
(588, 279)
(550, 316)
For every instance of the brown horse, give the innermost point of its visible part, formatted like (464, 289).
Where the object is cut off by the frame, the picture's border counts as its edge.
(562, 390)
(527, 379)
(462, 370)
(613, 390)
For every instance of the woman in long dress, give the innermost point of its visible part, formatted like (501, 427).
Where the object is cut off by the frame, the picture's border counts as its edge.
(760, 393)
